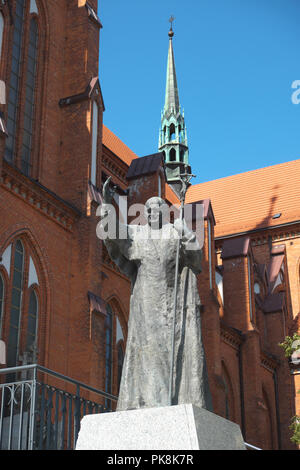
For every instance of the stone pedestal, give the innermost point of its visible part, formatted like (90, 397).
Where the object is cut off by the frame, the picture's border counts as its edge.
(181, 427)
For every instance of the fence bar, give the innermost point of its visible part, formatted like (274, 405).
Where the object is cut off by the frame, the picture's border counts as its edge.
(69, 444)
(11, 417)
(32, 409)
(42, 416)
(56, 419)
(21, 418)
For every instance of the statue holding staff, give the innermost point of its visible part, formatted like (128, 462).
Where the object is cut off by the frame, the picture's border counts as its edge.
(150, 263)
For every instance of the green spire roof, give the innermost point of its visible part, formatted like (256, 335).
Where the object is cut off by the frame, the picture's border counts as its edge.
(172, 96)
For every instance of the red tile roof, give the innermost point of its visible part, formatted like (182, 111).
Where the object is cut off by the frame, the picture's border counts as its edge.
(249, 200)
(113, 143)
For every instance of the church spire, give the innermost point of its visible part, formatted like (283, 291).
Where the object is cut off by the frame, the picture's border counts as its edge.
(172, 96)
(172, 134)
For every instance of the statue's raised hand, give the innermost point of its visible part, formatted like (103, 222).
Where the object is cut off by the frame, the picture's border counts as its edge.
(108, 192)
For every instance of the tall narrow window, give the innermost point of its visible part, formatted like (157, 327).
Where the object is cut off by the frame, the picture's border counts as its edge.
(14, 83)
(29, 97)
(120, 351)
(172, 132)
(250, 289)
(120, 363)
(1, 31)
(32, 322)
(1, 302)
(172, 155)
(94, 143)
(16, 300)
(108, 354)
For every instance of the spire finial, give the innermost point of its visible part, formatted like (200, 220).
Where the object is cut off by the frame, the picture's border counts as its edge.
(171, 32)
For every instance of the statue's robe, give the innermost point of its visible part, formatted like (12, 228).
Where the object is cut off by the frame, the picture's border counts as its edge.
(150, 265)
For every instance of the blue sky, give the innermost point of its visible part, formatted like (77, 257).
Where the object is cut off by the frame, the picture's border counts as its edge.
(236, 61)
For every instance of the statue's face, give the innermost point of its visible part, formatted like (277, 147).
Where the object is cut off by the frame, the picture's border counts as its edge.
(155, 213)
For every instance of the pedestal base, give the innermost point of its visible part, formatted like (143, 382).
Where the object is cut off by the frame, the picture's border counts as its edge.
(181, 427)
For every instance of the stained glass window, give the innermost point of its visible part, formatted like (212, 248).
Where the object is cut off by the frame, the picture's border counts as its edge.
(14, 82)
(32, 321)
(16, 300)
(29, 98)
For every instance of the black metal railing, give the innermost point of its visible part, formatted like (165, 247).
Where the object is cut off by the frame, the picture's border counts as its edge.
(41, 409)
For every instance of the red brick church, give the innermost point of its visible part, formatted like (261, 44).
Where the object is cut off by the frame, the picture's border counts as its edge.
(64, 305)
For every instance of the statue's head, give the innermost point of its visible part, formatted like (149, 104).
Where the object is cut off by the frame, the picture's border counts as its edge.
(156, 212)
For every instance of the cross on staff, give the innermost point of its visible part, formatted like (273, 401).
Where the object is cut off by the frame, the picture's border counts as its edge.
(171, 20)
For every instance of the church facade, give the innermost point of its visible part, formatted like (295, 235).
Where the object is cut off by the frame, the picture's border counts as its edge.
(64, 305)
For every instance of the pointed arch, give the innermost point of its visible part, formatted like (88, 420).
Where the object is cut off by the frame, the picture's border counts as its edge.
(32, 251)
(15, 318)
(27, 79)
(172, 132)
(117, 306)
(172, 155)
(15, 80)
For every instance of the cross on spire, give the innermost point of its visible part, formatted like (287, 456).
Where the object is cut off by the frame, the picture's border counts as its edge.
(171, 21)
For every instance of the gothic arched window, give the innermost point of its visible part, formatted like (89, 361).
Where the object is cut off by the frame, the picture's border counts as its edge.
(29, 98)
(32, 322)
(20, 319)
(164, 135)
(15, 310)
(172, 155)
(120, 352)
(172, 132)
(14, 82)
(24, 57)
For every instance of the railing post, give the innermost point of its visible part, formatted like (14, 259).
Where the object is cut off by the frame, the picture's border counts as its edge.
(77, 414)
(32, 410)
